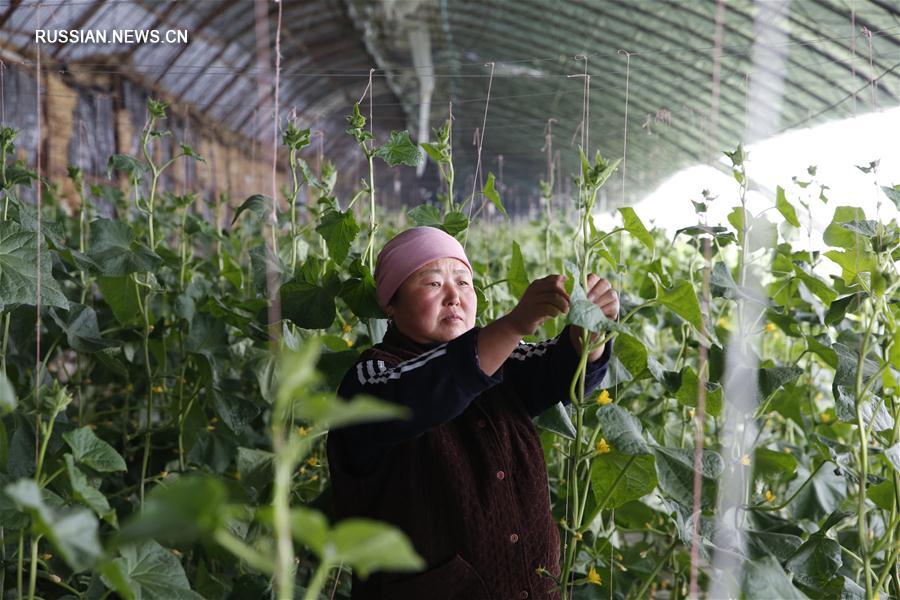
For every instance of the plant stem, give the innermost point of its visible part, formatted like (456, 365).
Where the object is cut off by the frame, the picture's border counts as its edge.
(32, 574)
(284, 565)
(318, 581)
(862, 525)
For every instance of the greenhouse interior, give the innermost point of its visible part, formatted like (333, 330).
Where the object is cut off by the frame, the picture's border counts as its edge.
(246, 350)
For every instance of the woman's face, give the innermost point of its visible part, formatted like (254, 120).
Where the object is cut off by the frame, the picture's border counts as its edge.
(436, 303)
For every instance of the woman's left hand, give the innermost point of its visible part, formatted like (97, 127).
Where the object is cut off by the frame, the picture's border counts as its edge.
(602, 294)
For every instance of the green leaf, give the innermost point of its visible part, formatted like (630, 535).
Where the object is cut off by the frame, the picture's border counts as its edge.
(93, 452)
(86, 493)
(635, 227)
(785, 207)
(359, 293)
(779, 545)
(327, 411)
(120, 294)
(773, 466)
(765, 580)
(257, 204)
(893, 193)
(129, 165)
(632, 353)
(820, 497)
(73, 533)
(556, 419)
(310, 527)
(152, 573)
(621, 430)
(882, 494)
(339, 229)
(852, 262)
(256, 470)
(18, 272)
(454, 222)
(82, 330)
(690, 388)
(234, 409)
(772, 378)
(114, 248)
(491, 194)
(369, 546)
(399, 150)
(675, 472)
(587, 315)
(682, 300)
(433, 152)
(8, 399)
(516, 277)
(425, 215)
(307, 304)
(816, 562)
(839, 237)
(190, 508)
(818, 287)
(825, 352)
(893, 455)
(619, 478)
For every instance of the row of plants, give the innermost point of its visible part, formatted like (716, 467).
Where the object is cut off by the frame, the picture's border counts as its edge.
(166, 437)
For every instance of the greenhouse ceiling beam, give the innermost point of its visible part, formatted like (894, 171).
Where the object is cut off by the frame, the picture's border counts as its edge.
(812, 48)
(604, 76)
(159, 20)
(736, 103)
(207, 19)
(742, 62)
(12, 8)
(319, 53)
(86, 15)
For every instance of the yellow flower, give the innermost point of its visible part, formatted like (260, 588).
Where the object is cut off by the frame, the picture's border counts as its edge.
(770, 497)
(826, 418)
(313, 461)
(594, 577)
(163, 474)
(691, 412)
(745, 460)
(602, 446)
(722, 323)
(603, 399)
(347, 328)
(349, 343)
(770, 327)
(819, 396)
(157, 389)
(303, 431)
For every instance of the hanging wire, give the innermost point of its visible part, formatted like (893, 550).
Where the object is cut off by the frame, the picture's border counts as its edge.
(477, 174)
(37, 328)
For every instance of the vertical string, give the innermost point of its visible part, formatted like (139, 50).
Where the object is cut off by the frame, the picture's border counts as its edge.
(487, 103)
(2, 93)
(853, 55)
(39, 245)
(700, 413)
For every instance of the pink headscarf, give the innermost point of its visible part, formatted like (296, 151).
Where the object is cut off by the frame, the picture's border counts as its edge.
(410, 251)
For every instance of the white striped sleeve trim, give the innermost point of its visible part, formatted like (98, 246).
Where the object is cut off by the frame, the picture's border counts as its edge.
(526, 350)
(375, 371)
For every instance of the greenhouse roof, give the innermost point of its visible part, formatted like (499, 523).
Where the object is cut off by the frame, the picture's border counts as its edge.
(694, 78)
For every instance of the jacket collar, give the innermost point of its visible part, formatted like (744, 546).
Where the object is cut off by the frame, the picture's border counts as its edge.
(399, 344)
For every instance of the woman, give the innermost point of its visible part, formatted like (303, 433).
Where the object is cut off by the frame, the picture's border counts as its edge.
(465, 476)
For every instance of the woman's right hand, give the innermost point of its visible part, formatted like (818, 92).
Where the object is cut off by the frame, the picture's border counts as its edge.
(544, 299)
